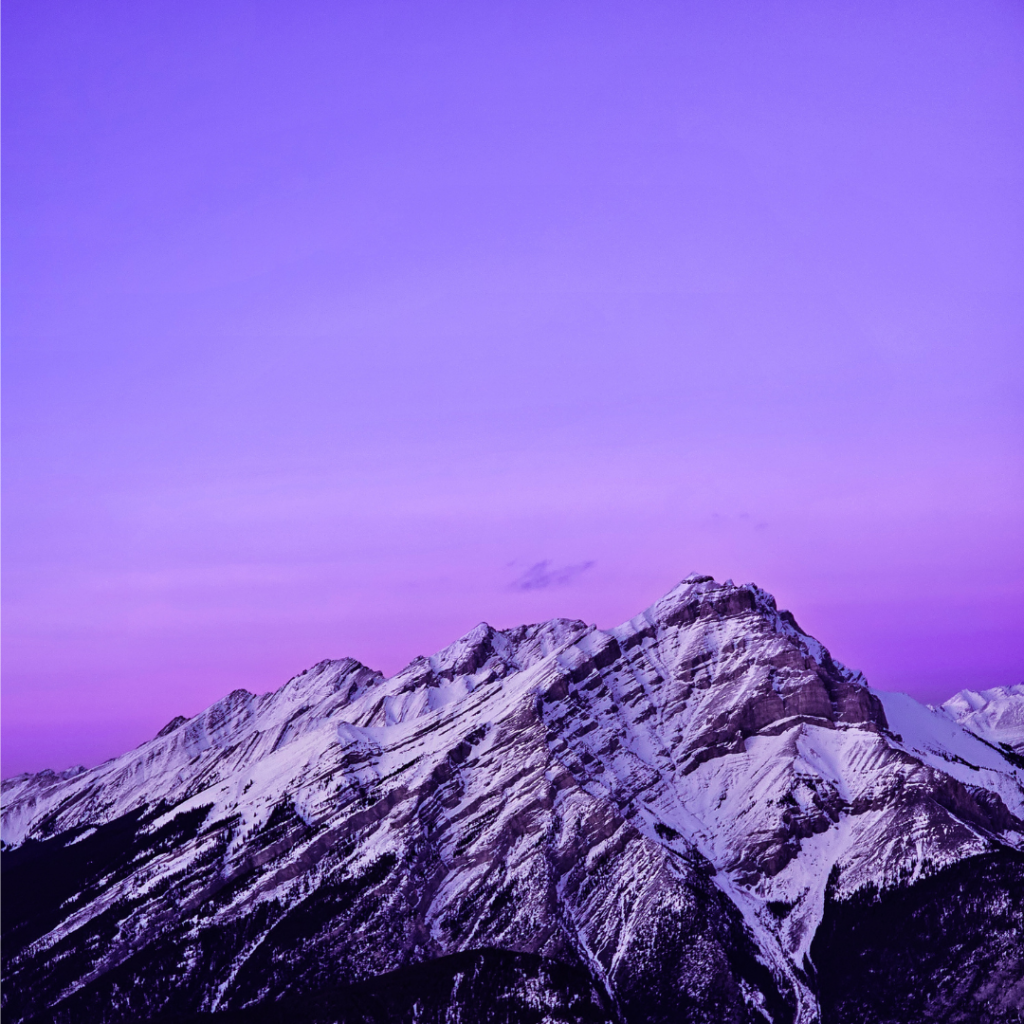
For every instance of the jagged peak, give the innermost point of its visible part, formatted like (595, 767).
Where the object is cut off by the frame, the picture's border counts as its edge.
(700, 586)
(515, 648)
(465, 655)
(328, 676)
(688, 583)
(48, 774)
(976, 700)
(175, 723)
(995, 714)
(698, 594)
(531, 643)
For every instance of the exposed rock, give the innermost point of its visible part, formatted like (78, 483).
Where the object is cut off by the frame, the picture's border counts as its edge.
(659, 815)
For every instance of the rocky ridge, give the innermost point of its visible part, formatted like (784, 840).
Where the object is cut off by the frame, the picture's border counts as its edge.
(677, 811)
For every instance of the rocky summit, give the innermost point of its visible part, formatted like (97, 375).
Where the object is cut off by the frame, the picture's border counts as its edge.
(697, 816)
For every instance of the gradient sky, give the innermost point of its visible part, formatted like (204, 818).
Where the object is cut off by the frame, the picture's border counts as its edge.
(336, 328)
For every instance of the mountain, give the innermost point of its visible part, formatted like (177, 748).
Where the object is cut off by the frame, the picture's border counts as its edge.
(697, 816)
(996, 715)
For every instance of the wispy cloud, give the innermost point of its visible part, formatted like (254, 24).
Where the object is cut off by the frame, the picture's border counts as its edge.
(543, 575)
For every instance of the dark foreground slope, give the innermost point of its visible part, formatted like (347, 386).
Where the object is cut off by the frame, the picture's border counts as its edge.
(949, 948)
(487, 986)
(675, 820)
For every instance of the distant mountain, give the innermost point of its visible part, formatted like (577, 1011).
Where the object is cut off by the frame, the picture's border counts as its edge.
(697, 816)
(996, 715)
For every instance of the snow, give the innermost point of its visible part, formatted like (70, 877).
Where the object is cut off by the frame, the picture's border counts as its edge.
(938, 739)
(710, 716)
(996, 715)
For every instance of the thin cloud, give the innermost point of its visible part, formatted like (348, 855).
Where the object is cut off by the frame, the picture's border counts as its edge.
(544, 575)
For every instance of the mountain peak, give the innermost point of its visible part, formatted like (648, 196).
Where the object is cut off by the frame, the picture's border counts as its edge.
(696, 577)
(674, 806)
(995, 714)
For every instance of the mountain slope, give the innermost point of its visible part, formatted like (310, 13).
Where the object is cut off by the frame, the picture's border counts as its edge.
(669, 809)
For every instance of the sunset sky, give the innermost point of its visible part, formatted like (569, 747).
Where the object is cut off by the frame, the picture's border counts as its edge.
(336, 328)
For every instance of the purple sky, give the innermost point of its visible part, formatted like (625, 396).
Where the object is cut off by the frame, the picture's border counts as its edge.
(333, 329)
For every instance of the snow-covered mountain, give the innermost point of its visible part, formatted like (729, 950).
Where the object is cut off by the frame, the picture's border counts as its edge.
(698, 815)
(996, 715)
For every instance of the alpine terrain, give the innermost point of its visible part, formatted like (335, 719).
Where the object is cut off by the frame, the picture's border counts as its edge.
(698, 816)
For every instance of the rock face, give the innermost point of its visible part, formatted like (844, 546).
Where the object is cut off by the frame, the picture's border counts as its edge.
(696, 816)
